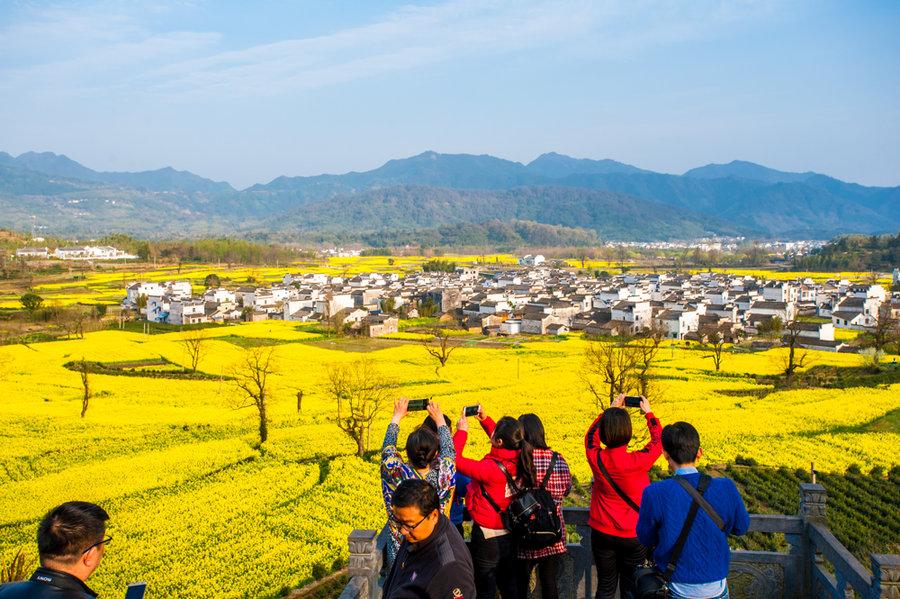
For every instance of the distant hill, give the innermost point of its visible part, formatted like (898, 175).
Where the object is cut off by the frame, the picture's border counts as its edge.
(610, 215)
(741, 169)
(557, 166)
(426, 193)
(164, 179)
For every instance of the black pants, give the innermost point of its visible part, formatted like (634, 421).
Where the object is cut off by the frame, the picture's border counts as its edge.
(615, 558)
(547, 567)
(495, 565)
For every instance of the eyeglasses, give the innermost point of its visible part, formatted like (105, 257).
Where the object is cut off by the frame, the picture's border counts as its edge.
(404, 526)
(97, 544)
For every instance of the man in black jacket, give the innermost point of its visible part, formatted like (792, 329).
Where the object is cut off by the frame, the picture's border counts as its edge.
(433, 560)
(71, 542)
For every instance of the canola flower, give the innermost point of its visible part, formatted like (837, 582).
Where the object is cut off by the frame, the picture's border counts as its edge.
(195, 504)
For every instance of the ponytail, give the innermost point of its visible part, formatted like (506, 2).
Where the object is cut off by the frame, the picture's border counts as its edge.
(510, 431)
(526, 470)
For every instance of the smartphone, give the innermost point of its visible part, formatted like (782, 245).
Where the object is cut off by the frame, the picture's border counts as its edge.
(136, 590)
(472, 410)
(632, 402)
(416, 405)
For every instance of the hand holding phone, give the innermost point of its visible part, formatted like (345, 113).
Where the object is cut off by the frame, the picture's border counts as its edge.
(417, 405)
(632, 401)
(472, 410)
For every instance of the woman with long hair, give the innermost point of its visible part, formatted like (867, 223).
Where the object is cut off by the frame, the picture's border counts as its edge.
(431, 457)
(493, 547)
(559, 483)
(620, 477)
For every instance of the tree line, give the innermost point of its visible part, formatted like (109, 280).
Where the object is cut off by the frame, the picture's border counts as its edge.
(854, 253)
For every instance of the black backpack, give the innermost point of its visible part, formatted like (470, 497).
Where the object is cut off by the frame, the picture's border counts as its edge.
(532, 515)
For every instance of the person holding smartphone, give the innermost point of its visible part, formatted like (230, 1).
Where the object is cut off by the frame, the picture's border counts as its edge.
(431, 457)
(620, 477)
(493, 546)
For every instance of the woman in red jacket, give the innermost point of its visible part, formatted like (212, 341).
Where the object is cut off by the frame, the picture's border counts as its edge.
(620, 477)
(493, 547)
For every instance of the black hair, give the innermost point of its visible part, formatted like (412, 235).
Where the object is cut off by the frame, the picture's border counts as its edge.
(69, 529)
(533, 429)
(416, 492)
(510, 432)
(422, 447)
(615, 427)
(681, 441)
(430, 425)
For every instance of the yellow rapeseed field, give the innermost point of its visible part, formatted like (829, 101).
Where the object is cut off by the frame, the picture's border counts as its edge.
(195, 506)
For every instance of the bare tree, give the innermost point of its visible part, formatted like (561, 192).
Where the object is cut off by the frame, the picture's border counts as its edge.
(360, 392)
(715, 342)
(439, 348)
(796, 357)
(251, 376)
(85, 383)
(605, 370)
(193, 343)
(887, 328)
(645, 349)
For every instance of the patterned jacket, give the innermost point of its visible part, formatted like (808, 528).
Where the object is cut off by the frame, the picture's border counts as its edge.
(559, 485)
(394, 471)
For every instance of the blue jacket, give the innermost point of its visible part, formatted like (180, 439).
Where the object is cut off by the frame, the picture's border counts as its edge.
(705, 556)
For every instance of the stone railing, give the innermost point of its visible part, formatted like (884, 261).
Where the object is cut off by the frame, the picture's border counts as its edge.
(816, 564)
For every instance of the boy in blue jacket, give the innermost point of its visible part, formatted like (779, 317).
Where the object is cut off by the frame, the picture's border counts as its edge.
(702, 569)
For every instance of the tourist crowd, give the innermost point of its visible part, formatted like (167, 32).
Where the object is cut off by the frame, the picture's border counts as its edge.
(667, 539)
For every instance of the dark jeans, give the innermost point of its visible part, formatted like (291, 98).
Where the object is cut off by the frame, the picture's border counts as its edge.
(547, 567)
(495, 564)
(615, 558)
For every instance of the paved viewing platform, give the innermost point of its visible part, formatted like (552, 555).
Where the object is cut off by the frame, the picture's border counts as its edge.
(815, 564)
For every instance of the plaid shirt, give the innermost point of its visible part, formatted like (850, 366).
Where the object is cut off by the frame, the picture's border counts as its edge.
(559, 485)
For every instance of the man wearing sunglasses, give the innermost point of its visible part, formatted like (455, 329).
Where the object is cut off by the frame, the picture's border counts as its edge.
(71, 541)
(433, 560)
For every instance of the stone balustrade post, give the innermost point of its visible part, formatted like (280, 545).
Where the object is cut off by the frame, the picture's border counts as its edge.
(813, 498)
(365, 560)
(886, 576)
(812, 501)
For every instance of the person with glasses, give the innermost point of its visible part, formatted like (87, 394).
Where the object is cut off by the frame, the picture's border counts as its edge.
(433, 560)
(71, 542)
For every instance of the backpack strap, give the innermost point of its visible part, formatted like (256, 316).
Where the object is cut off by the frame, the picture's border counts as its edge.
(509, 481)
(683, 535)
(709, 509)
(616, 487)
(549, 472)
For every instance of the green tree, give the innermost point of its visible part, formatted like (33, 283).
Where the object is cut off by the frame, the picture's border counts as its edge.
(31, 302)
(212, 281)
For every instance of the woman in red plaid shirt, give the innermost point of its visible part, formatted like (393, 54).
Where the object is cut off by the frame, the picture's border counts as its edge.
(548, 559)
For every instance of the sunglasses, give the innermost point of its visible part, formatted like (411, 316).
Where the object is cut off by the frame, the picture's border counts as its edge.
(97, 544)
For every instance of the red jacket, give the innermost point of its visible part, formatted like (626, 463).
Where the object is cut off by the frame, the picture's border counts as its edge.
(609, 512)
(485, 471)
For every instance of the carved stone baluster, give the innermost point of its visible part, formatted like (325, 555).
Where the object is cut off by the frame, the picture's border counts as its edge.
(365, 560)
(886, 576)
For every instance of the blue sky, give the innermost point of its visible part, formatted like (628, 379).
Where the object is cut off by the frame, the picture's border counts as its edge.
(247, 91)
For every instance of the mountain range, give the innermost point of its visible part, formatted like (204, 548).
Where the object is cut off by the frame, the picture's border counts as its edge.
(454, 199)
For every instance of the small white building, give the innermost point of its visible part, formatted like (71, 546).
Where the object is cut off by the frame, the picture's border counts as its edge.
(33, 253)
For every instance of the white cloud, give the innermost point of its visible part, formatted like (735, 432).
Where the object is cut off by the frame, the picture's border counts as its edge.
(103, 51)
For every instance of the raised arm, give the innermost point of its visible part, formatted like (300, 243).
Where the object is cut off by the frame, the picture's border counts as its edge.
(390, 456)
(647, 456)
